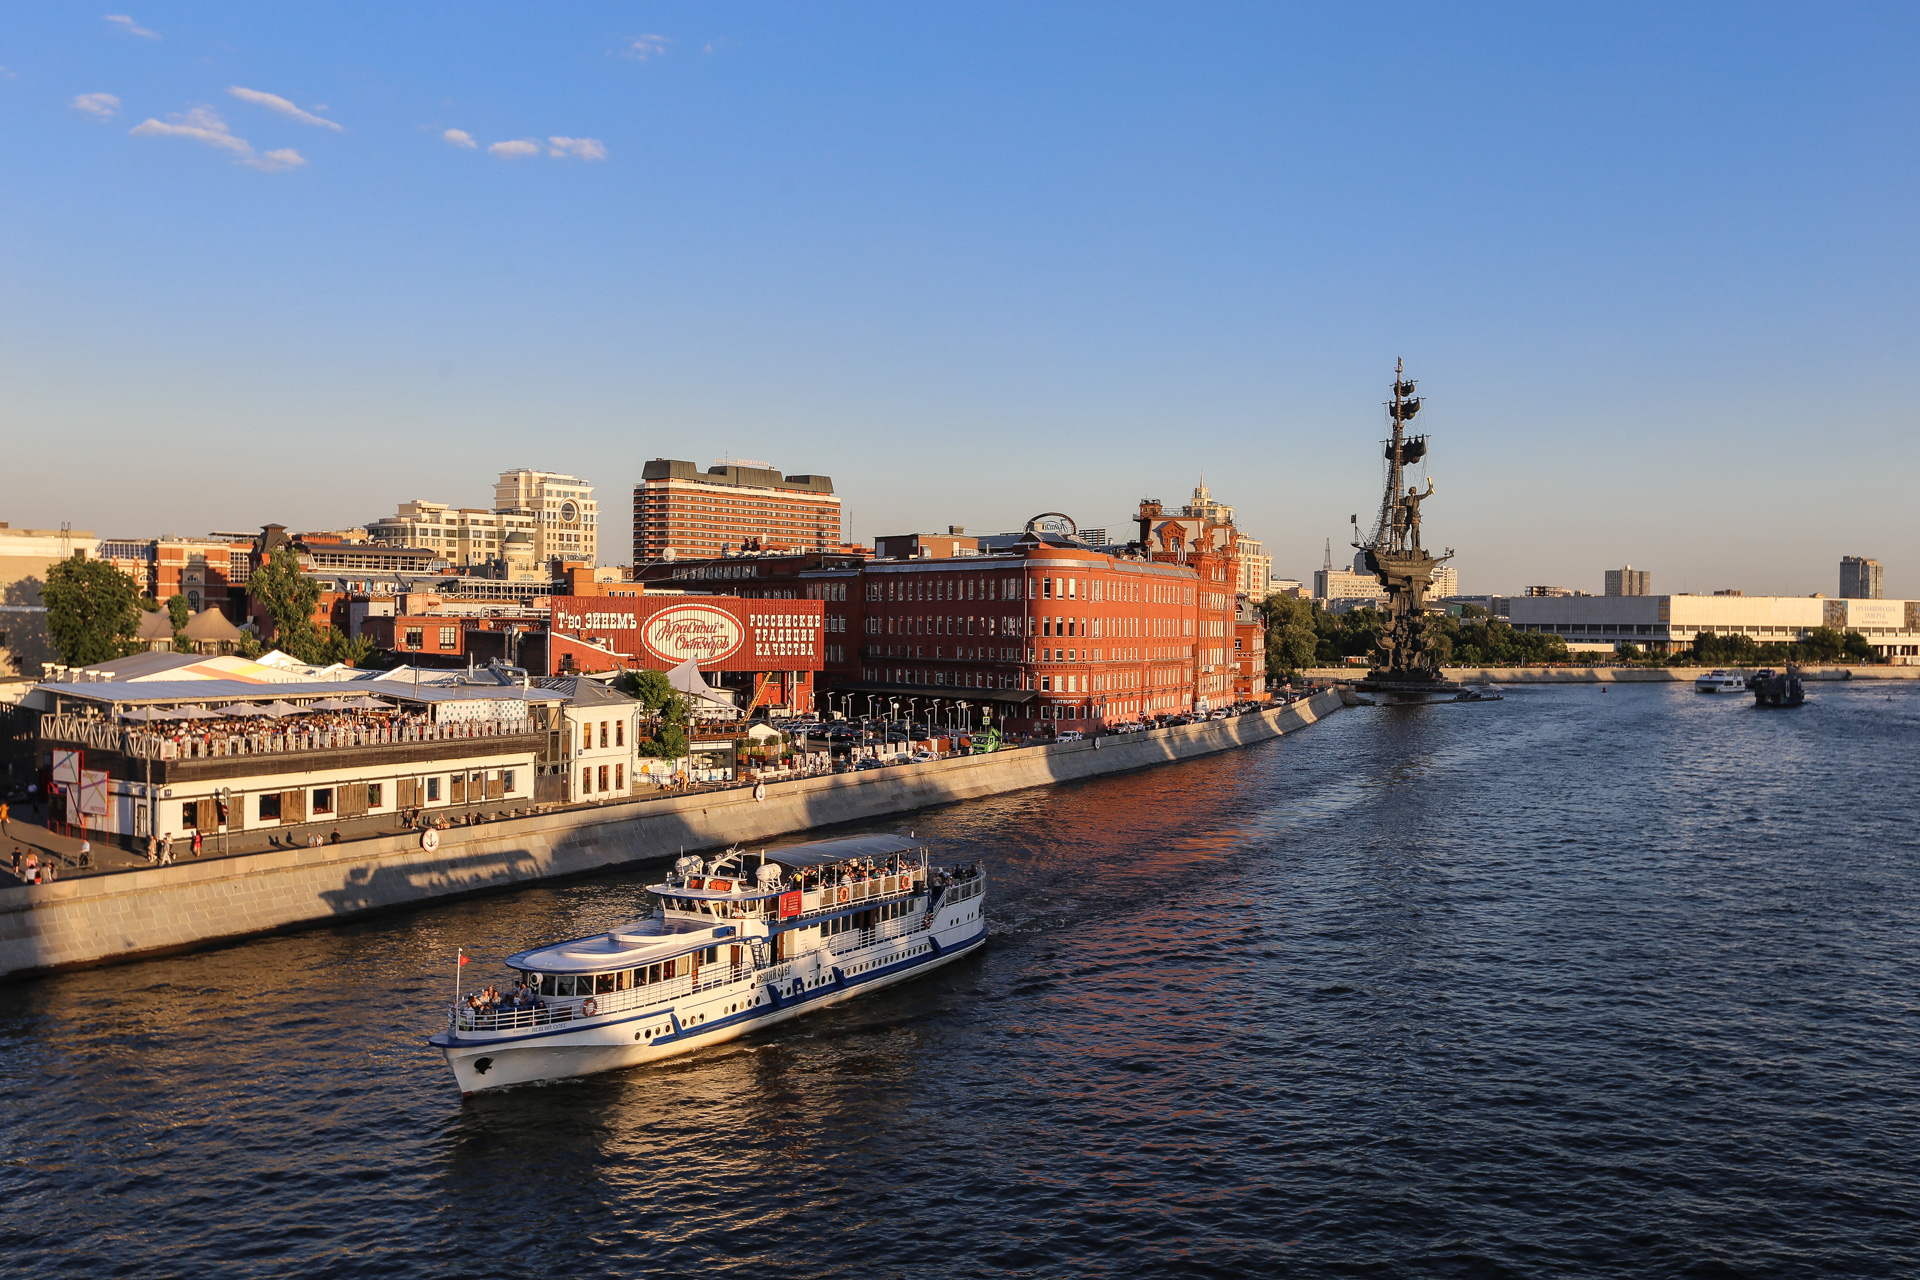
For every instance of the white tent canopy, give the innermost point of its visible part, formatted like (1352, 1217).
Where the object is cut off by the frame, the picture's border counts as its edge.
(686, 680)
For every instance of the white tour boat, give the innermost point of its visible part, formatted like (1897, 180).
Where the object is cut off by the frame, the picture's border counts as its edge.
(748, 941)
(1720, 682)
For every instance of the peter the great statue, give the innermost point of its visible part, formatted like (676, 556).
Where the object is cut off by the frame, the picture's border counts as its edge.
(1395, 557)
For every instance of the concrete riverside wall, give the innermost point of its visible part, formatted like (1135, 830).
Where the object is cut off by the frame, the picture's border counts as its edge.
(100, 918)
(1619, 675)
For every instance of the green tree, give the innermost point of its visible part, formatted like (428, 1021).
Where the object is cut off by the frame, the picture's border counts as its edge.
(652, 688)
(289, 597)
(178, 613)
(337, 646)
(93, 611)
(1857, 648)
(1291, 638)
(1823, 644)
(669, 741)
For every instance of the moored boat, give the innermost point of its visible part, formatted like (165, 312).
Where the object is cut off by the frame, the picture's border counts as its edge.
(1772, 690)
(1720, 682)
(741, 943)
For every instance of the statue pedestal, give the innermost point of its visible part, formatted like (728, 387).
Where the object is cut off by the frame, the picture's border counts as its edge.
(1404, 682)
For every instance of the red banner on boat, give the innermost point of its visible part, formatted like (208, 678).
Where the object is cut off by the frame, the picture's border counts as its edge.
(790, 904)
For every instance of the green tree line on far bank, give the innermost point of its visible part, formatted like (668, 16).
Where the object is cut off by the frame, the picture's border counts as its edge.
(1300, 635)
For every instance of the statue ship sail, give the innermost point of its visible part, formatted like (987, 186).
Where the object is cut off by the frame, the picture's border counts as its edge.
(1394, 556)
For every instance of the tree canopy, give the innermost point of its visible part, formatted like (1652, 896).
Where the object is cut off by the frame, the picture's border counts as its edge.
(179, 612)
(289, 597)
(93, 611)
(1292, 641)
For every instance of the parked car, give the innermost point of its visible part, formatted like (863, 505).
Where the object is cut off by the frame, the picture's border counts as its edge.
(923, 757)
(1070, 735)
(871, 763)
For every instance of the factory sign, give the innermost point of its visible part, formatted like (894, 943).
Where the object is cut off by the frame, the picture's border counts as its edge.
(719, 633)
(704, 634)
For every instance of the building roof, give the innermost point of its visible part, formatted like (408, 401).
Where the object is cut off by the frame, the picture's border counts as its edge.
(211, 624)
(585, 691)
(223, 691)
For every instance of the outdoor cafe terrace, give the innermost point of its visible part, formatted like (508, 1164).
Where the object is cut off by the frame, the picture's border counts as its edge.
(211, 728)
(306, 733)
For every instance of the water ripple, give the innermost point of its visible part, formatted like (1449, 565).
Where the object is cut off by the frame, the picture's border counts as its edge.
(1584, 984)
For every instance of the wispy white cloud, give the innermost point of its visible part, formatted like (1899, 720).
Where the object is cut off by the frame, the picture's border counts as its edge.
(460, 138)
(274, 102)
(99, 105)
(128, 25)
(646, 48)
(7, 74)
(579, 148)
(515, 149)
(203, 124)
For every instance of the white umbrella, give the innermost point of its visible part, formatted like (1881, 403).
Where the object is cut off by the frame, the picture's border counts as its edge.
(239, 709)
(332, 704)
(280, 708)
(192, 713)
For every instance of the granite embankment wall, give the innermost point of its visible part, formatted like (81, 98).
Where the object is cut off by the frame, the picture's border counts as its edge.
(1617, 675)
(102, 918)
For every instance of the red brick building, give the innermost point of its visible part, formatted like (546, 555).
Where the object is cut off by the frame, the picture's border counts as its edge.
(1249, 653)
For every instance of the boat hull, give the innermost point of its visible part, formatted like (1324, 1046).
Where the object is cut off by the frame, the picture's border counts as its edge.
(616, 1042)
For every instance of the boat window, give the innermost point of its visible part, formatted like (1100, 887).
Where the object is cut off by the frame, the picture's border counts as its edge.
(653, 973)
(602, 983)
(624, 980)
(667, 969)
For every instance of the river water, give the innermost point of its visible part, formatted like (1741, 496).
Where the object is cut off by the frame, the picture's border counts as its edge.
(1576, 984)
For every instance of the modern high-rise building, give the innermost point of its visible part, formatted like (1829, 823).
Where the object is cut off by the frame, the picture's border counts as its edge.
(680, 511)
(1629, 581)
(1256, 567)
(1859, 578)
(566, 519)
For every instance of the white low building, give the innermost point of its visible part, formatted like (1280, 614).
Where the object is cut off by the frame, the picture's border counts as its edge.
(1663, 624)
(175, 757)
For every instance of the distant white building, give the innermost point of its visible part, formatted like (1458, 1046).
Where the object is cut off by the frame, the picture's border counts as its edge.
(1663, 624)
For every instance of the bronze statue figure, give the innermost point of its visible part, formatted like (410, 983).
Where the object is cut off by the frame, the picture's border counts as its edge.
(1404, 569)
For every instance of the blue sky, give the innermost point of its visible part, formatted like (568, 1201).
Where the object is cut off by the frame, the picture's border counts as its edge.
(1655, 266)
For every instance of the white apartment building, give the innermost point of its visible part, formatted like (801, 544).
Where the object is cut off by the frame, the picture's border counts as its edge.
(566, 519)
(462, 536)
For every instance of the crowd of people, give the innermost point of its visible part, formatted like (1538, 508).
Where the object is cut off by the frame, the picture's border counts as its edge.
(308, 731)
(488, 1002)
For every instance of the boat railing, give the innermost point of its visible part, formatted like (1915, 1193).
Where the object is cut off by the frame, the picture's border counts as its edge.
(830, 898)
(855, 939)
(961, 890)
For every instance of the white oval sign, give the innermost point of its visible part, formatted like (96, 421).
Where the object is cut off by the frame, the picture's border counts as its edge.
(694, 631)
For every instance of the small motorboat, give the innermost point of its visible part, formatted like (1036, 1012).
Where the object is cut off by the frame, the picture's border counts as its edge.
(1478, 695)
(1720, 682)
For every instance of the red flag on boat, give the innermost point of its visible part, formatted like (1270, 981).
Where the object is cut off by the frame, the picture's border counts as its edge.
(463, 957)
